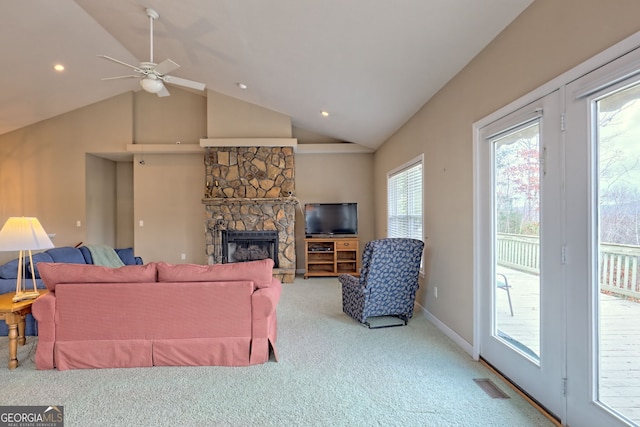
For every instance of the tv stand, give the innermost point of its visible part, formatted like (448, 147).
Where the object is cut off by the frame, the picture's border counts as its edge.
(331, 256)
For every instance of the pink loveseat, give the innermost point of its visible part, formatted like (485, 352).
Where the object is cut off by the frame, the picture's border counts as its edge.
(156, 314)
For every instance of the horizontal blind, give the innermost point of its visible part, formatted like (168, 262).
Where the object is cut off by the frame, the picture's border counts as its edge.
(404, 217)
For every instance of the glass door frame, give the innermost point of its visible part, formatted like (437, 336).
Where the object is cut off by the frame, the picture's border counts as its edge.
(542, 377)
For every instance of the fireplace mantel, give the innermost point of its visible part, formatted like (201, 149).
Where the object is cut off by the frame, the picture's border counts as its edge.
(216, 201)
(248, 142)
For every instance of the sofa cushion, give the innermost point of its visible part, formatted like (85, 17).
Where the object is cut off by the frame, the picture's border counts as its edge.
(86, 253)
(56, 273)
(67, 254)
(9, 270)
(259, 272)
(126, 255)
(41, 257)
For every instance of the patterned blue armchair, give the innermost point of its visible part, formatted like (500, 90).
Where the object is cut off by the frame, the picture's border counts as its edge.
(388, 280)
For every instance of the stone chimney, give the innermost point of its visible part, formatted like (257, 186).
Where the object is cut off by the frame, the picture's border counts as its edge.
(251, 188)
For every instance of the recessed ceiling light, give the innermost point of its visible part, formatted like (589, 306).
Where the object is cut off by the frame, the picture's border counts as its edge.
(58, 67)
(324, 113)
(242, 86)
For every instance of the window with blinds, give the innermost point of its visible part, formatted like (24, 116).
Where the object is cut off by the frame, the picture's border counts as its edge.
(404, 201)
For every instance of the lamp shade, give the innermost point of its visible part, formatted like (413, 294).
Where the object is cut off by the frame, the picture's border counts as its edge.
(23, 233)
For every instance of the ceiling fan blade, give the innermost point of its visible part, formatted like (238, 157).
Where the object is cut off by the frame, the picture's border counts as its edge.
(164, 91)
(120, 77)
(184, 82)
(166, 67)
(137, 69)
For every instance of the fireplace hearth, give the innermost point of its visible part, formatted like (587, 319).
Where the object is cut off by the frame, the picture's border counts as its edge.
(243, 246)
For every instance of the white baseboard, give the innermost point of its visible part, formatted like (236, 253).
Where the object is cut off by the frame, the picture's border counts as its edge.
(447, 330)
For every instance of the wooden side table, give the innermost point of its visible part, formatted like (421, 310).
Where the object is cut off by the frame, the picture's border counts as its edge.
(13, 314)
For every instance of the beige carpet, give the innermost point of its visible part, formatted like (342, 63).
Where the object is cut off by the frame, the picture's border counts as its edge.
(332, 372)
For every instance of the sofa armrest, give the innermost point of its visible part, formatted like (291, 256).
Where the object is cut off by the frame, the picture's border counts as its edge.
(265, 300)
(264, 322)
(44, 308)
(44, 311)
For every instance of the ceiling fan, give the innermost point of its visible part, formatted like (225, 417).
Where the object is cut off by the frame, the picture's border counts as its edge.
(152, 75)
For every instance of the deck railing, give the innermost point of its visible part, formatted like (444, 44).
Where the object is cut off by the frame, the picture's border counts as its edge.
(619, 264)
(519, 252)
(619, 269)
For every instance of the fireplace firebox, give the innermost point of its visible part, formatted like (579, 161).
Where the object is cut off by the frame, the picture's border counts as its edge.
(242, 246)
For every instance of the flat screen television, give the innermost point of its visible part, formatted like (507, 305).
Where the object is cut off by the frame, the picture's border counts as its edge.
(322, 219)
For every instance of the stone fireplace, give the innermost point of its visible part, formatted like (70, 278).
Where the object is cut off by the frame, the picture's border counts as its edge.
(251, 189)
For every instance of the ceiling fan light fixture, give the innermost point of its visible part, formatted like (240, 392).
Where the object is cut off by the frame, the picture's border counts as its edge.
(151, 85)
(152, 75)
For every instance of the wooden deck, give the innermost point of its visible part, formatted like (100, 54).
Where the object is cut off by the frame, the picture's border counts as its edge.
(619, 338)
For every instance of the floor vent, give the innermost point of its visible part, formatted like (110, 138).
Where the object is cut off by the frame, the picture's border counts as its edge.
(490, 388)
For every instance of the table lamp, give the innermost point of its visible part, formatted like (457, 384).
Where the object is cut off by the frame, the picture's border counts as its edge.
(24, 234)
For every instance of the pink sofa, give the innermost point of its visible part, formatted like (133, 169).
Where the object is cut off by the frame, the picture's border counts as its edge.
(156, 314)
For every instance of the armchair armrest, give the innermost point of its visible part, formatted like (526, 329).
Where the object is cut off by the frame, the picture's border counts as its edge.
(353, 296)
(349, 281)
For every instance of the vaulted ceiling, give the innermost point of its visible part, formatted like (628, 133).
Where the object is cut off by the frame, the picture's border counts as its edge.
(370, 63)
